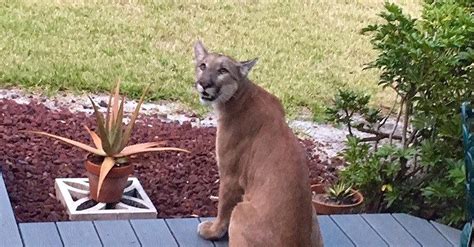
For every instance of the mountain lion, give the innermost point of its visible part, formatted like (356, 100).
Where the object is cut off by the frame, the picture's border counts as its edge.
(264, 192)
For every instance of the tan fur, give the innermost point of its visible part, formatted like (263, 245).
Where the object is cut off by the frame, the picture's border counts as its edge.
(264, 195)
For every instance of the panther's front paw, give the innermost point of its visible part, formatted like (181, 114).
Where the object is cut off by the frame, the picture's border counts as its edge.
(209, 231)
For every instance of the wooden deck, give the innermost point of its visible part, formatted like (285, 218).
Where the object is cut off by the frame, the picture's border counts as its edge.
(338, 230)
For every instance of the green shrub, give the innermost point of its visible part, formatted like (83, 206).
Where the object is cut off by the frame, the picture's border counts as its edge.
(417, 165)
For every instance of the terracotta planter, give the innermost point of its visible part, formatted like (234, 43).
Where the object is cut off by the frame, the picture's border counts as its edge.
(113, 185)
(325, 208)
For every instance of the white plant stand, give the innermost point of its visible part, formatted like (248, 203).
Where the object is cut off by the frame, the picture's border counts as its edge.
(74, 195)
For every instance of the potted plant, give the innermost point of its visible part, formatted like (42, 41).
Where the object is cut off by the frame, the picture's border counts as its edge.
(339, 198)
(107, 163)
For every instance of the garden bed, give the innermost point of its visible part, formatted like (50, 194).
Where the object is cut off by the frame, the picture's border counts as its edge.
(178, 184)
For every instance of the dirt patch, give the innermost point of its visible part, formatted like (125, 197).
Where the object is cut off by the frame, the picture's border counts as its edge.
(178, 184)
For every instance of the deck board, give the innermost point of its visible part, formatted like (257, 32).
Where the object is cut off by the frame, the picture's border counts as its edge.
(153, 232)
(390, 230)
(332, 234)
(185, 232)
(9, 233)
(358, 230)
(451, 234)
(40, 234)
(78, 234)
(422, 231)
(115, 233)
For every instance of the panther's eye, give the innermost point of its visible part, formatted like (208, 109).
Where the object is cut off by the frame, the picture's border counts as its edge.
(202, 66)
(222, 71)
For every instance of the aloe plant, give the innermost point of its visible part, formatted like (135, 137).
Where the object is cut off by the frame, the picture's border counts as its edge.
(340, 192)
(112, 135)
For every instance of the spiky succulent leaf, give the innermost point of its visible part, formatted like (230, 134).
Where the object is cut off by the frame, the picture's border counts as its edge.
(105, 168)
(347, 191)
(71, 142)
(115, 105)
(103, 134)
(95, 138)
(139, 146)
(117, 141)
(131, 124)
(119, 122)
(117, 131)
(107, 115)
(145, 150)
(340, 192)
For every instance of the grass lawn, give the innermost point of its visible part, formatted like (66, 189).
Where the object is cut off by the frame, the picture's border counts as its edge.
(307, 49)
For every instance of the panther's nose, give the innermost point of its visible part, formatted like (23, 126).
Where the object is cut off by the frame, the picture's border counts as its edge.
(202, 86)
(205, 84)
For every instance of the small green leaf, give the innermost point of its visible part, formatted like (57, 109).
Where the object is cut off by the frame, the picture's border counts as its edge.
(387, 187)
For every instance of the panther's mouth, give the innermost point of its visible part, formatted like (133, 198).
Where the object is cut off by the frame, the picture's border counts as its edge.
(208, 98)
(210, 94)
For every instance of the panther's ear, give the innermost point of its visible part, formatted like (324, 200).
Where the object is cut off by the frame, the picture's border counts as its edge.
(246, 66)
(200, 51)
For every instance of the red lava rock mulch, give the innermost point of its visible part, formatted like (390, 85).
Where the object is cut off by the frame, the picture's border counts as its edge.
(178, 184)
